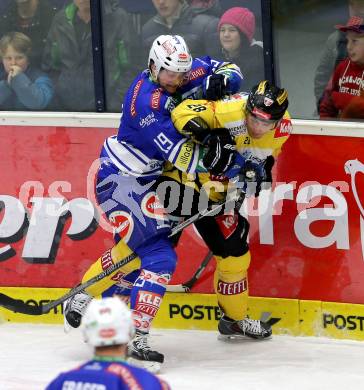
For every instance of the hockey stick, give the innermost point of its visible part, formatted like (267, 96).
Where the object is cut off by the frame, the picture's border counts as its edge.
(17, 305)
(186, 286)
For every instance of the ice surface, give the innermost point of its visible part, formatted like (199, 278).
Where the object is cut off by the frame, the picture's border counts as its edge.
(31, 355)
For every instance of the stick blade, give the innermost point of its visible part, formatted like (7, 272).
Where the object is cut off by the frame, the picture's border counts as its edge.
(18, 306)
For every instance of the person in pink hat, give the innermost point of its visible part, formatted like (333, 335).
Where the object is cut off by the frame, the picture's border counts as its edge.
(347, 81)
(236, 33)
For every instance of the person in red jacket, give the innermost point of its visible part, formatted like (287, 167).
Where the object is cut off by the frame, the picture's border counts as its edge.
(347, 80)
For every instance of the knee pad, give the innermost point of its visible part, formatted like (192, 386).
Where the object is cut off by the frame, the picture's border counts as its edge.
(225, 235)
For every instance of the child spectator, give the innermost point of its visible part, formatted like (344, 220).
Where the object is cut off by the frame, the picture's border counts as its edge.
(348, 78)
(32, 18)
(334, 52)
(236, 31)
(21, 86)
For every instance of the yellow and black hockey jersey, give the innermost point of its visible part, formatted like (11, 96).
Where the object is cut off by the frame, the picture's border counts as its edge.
(230, 113)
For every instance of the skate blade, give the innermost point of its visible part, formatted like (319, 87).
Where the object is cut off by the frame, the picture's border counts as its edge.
(240, 337)
(153, 367)
(232, 337)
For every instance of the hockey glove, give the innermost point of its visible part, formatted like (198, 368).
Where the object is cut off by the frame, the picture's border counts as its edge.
(257, 176)
(220, 152)
(216, 86)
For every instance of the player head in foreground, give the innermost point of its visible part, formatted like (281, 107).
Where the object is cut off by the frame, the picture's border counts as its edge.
(107, 327)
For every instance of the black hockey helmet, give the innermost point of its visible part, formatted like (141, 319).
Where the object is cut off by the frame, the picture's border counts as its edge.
(267, 102)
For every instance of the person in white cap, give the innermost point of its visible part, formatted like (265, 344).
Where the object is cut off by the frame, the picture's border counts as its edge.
(108, 327)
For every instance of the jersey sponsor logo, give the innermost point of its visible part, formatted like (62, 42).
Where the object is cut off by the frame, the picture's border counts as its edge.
(142, 321)
(148, 302)
(236, 127)
(152, 207)
(148, 120)
(227, 224)
(185, 156)
(79, 385)
(124, 373)
(134, 97)
(197, 73)
(122, 223)
(235, 288)
(106, 260)
(107, 333)
(161, 279)
(171, 103)
(284, 128)
(118, 278)
(155, 98)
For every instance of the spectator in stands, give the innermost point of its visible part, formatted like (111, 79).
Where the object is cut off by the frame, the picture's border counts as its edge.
(348, 78)
(108, 327)
(334, 52)
(22, 87)
(176, 17)
(236, 30)
(68, 55)
(31, 17)
(211, 7)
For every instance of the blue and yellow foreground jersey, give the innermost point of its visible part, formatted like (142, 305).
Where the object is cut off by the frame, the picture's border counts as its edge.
(230, 114)
(101, 375)
(147, 137)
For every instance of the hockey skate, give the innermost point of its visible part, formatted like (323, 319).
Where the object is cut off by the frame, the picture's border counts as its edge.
(246, 328)
(73, 310)
(141, 354)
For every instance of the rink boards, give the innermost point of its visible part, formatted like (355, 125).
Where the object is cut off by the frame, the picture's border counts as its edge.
(200, 312)
(306, 236)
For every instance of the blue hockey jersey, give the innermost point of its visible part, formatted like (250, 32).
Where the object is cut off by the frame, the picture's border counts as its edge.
(147, 137)
(102, 375)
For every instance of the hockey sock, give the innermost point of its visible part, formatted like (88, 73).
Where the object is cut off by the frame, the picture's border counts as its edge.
(231, 285)
(110, 257)
(146, 297)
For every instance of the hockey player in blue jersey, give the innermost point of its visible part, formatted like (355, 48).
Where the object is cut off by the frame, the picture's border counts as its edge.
(131, 162)
(108, 327)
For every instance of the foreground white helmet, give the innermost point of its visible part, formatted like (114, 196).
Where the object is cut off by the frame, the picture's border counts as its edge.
(170, 52)
(107, 322)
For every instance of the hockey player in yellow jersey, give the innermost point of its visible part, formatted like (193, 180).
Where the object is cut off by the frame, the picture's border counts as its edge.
(259, 124)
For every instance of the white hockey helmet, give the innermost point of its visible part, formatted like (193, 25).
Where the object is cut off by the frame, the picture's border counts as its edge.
(170, 52)
(107, 322)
